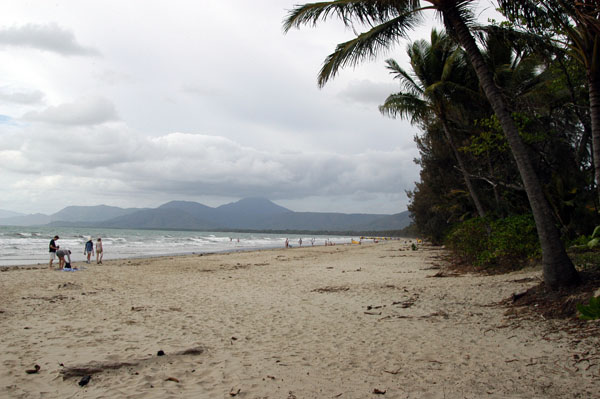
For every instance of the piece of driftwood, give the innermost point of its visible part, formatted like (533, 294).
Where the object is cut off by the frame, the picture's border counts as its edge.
(331, 289)
(517, 295)
(99, 367)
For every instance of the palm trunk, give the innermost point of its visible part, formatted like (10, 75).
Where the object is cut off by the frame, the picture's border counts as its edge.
(558, 270)
(594, 92)
(461, 164)
(494, 186)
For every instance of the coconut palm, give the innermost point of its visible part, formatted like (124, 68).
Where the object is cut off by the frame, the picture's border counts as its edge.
(428, 91)
(388, 22)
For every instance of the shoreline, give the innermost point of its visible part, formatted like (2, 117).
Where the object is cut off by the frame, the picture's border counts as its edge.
(178, 254)
(314, 322)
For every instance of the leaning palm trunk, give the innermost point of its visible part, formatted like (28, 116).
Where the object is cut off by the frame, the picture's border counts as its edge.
(594, 93)
(461, 165)
(558, 270)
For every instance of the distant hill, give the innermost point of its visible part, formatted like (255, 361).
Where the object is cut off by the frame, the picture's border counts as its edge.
(248, 213)
(9, 214)
(36, 219)
(193, 208)
(245, 214)
(319, 221)
(160, 218)
(90, 213)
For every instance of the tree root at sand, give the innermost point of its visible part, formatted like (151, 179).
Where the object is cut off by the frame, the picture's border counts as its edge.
(99, 367)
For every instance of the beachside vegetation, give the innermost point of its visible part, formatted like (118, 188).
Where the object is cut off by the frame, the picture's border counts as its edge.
(507, 243)
(591, 311)
(522, 141)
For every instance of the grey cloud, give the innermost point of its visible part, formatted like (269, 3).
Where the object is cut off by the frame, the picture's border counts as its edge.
(367, 92)
(200, 90)
(50, 37)
(199, 164)
(86, 111)
(21, 96)
(184, 165)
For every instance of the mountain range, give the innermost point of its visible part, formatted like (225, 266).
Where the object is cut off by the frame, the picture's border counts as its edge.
(245, 214)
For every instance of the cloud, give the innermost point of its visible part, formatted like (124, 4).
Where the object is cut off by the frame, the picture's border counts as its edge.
(50, 37)
(25, 97)
(186, 165)
(201, 91)
(86, 111)
(366, 92)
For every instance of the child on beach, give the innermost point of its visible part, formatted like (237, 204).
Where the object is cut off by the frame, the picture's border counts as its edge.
(99, 253)
(89, 248)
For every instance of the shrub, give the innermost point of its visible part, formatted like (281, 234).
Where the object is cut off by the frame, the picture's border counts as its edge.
(509, 242)
(468, 239)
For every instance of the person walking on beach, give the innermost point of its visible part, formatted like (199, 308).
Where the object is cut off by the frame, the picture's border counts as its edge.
(300, 241)
(53, 248)
(287, 243)
(99, 253)
(89, 248)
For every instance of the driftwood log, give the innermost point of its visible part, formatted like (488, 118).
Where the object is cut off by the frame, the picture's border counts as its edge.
(99, 367)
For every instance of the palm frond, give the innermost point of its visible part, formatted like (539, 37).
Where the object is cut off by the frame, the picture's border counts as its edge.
(405, 106)
(406, 81)
(369, 12)
(367, 45)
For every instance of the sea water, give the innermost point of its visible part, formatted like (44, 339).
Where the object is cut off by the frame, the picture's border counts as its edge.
(29, 245)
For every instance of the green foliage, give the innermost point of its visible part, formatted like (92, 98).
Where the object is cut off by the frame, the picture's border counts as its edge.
(413, 247)
(509, 242)
(593, 242)
(590, 311)
(587, 242)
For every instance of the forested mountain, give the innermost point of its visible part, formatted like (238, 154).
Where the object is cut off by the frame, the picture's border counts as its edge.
(9, 214)
(246, 214)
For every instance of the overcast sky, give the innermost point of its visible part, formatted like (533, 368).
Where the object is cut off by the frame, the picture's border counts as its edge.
(136, 103)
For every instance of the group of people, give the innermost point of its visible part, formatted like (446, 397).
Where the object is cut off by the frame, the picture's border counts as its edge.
(64, 254)
(287, 242)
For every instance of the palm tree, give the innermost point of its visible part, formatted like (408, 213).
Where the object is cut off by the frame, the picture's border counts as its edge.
(434, 66)
(389, 21)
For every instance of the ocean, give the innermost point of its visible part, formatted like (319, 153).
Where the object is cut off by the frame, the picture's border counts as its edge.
(29, 245)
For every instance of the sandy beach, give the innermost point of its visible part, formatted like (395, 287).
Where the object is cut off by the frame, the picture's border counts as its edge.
(368, 321)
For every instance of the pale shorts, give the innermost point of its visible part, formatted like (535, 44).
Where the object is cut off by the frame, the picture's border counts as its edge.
(52, 255)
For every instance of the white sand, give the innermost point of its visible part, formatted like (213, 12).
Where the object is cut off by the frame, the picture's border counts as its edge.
(284, 324)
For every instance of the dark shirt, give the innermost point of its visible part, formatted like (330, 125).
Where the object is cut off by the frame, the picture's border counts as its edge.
(52, 246)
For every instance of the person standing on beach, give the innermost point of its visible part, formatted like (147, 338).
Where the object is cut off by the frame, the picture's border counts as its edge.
(99, 252)
(53, 248)
(89, 248)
